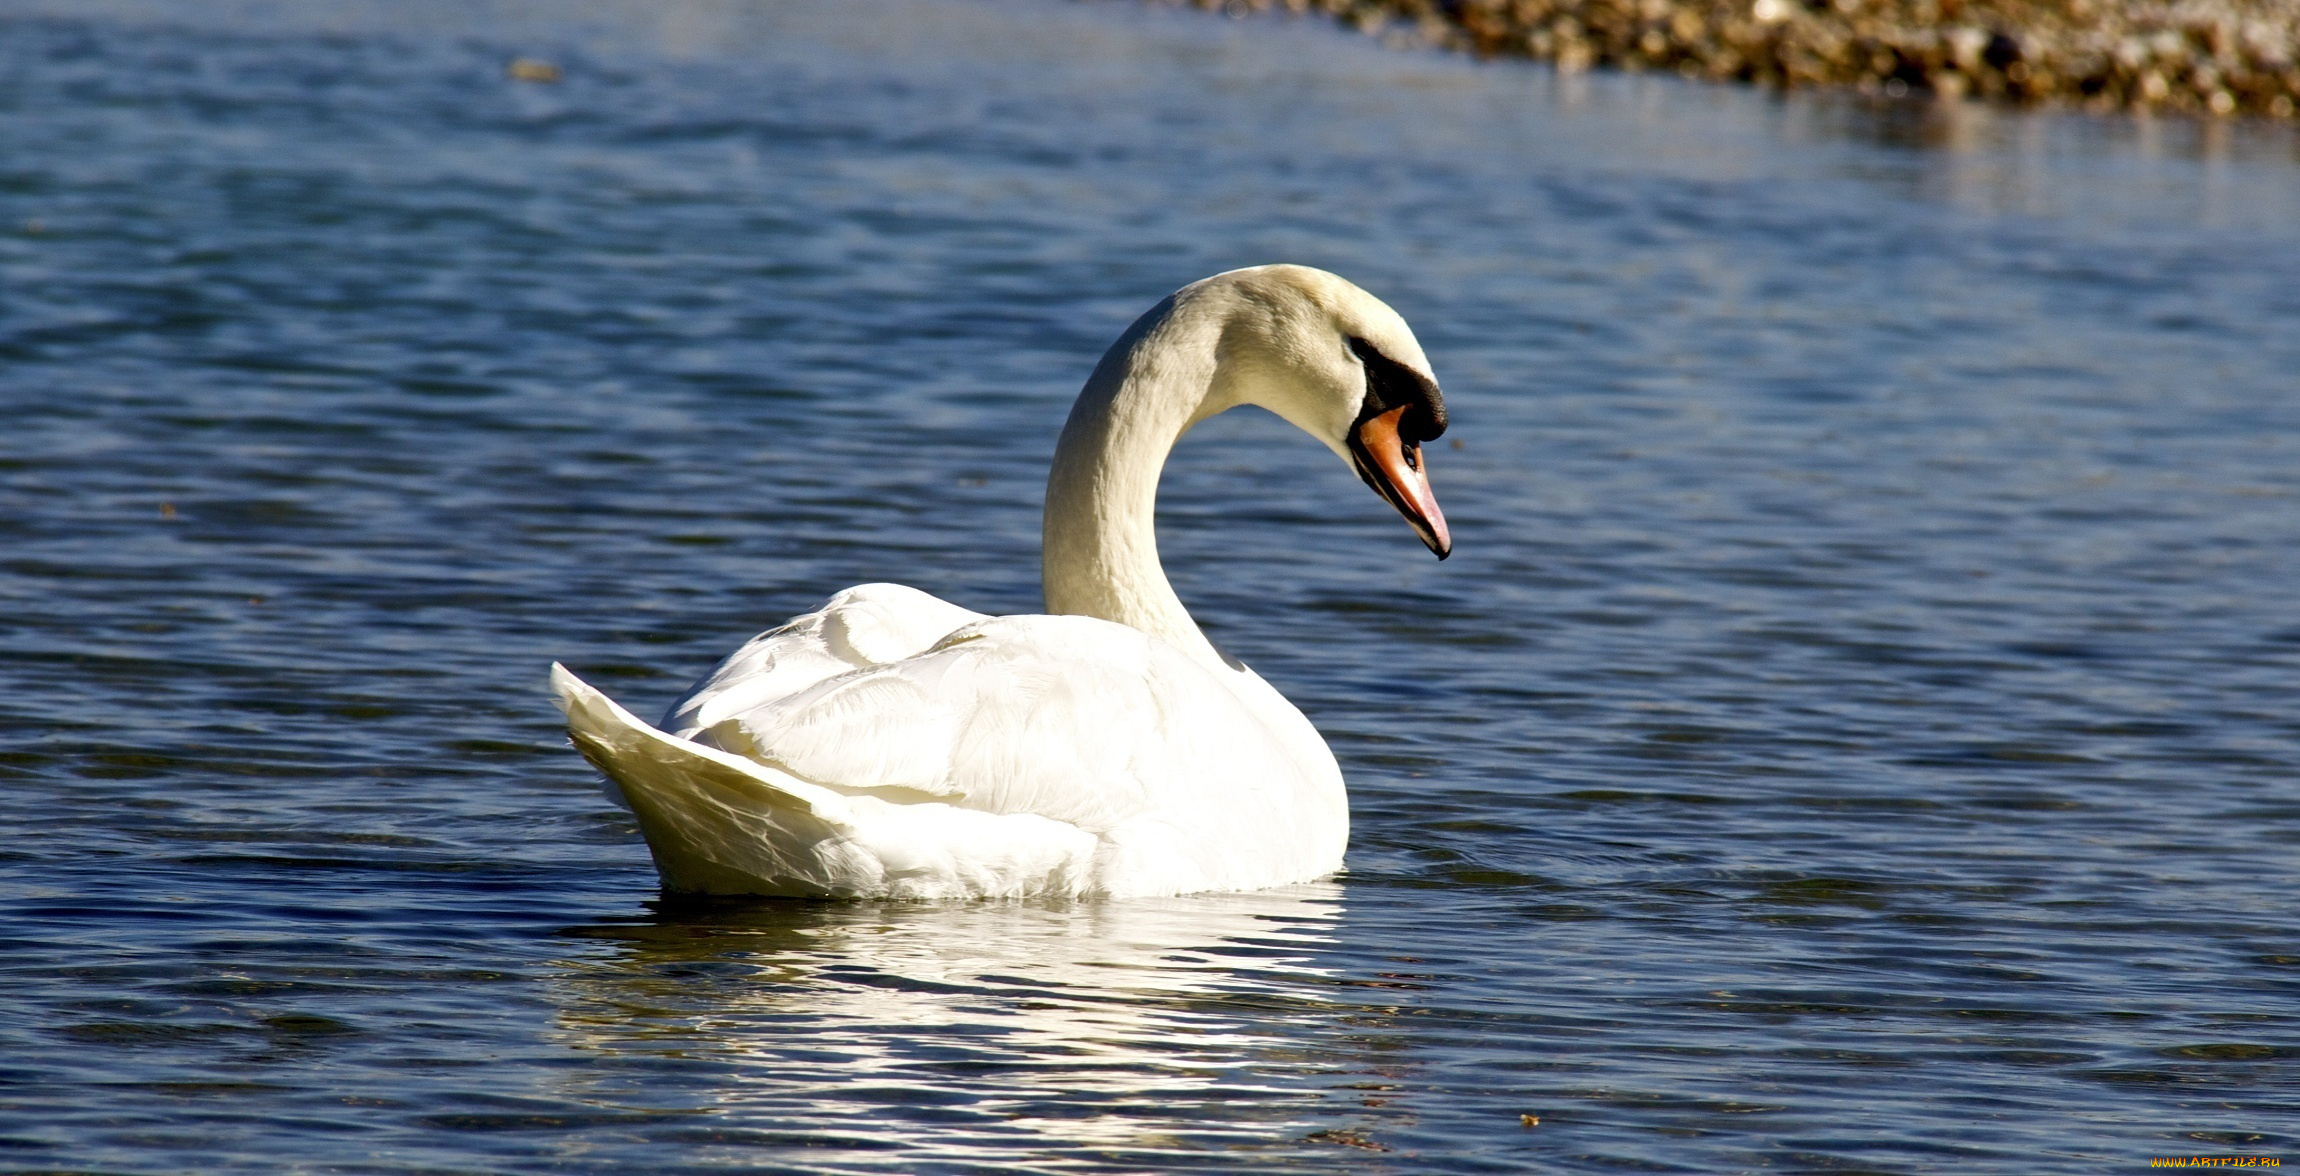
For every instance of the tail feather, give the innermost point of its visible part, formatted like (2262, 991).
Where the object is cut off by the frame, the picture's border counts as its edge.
(716, 823)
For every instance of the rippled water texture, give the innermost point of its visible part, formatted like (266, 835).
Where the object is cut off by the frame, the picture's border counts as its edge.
(1858, 730)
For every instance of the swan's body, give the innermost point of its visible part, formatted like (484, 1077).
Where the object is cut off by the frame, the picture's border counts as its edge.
(892, 744)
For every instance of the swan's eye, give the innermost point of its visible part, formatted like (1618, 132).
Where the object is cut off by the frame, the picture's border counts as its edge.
(1390, 384)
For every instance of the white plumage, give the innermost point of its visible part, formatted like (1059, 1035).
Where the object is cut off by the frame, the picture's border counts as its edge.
(892, 744)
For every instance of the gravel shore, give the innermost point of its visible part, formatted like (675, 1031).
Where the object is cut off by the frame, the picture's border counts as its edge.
(2213, 57)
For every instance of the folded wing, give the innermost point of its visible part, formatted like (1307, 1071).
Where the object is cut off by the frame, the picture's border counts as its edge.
(896, 744)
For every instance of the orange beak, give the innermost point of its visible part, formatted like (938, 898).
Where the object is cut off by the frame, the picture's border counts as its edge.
(1394, 469)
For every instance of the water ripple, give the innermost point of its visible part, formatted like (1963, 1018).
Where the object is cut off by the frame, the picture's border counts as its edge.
(1857, 730)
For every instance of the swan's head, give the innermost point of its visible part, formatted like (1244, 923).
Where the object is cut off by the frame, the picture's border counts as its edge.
(1341, 366)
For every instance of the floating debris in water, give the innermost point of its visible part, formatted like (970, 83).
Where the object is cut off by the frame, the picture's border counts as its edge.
(1529, 1120)
(529, 69)
(2215, 57)
(1346, 1138)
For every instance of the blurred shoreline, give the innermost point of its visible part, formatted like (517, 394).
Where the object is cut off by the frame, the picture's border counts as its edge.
(2209, 57)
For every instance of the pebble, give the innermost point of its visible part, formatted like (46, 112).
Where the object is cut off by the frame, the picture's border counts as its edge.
(2205, 57)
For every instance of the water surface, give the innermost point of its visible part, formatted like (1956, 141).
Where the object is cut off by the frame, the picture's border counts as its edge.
(1858, 730)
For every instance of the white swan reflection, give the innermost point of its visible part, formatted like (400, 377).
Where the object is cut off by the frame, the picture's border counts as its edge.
(984, 1032)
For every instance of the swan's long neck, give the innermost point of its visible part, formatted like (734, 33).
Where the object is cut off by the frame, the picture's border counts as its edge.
(1101, 541)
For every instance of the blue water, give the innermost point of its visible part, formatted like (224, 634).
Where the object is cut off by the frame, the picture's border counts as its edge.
(1859, 729)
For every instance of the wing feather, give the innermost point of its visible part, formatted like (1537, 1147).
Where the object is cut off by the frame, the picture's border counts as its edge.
(867, 625)
(1070, 718)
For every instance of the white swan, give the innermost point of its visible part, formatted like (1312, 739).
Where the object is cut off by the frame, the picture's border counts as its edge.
(894, 745)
